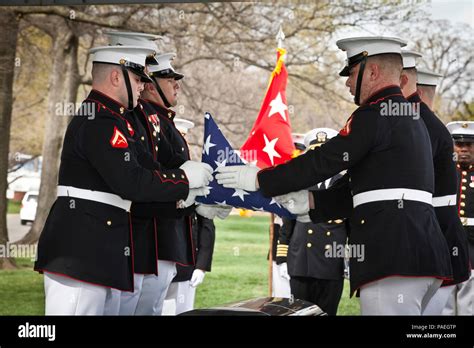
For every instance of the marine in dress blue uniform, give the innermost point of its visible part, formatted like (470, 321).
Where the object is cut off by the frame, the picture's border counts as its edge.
(390, 175)
(445, 188)
(315, 265)
(173, 233)
(86, 243)
(144, 125)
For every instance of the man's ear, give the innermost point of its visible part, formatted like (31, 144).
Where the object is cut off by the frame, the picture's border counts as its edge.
(115, 77)
(403, 80)
(420, 92)
(149, 87)
(374, 71)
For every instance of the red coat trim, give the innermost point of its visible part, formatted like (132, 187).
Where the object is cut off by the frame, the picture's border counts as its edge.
(385, 97)
(158, 174)
(381, 89)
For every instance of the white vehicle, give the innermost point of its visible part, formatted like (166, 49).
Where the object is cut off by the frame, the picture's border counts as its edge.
(28, 207)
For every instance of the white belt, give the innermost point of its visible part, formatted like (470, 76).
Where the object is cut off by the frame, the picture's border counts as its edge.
(467, 221)
(392, 194)
(96, 196)
(444, 201)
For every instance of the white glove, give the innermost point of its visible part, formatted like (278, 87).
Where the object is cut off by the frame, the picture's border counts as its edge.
(241, 177)
(197, 278)
(284, 271)
(211, 211)
(295, 202)
(223, 212)
(193, 193)
(199, 174)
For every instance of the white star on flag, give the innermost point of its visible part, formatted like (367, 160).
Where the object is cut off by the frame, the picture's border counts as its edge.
(220, 164)
(208, 145)
(209, 188)
(278, 107)
(240, 193)
(270, 148)
(224, 155)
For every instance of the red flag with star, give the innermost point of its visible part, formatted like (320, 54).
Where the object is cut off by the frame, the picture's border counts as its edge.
(269, 142)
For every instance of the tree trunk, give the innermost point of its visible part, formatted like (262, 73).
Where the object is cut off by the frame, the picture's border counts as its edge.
(7, 71)
(64, 83)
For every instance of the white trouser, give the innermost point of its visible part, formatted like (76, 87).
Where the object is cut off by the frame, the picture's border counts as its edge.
(154, 289)
(179, 299)
(397, 295)
(280, 286)
(461, 300)
(66, 296)
(129, 300)
(439, 300)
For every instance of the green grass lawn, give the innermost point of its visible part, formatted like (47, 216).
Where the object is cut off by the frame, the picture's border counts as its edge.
(239, 272)
(13, 207)
(21, 290)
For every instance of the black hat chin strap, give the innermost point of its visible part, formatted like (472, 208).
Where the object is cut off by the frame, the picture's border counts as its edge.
(160, 92)
(359, 81)
(129, 87)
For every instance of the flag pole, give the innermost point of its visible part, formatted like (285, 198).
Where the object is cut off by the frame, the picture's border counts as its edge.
(279, 38)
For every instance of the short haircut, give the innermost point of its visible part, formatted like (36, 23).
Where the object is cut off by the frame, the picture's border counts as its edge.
(411, 72)
(391, 64)
(101, 71)
(428, 91)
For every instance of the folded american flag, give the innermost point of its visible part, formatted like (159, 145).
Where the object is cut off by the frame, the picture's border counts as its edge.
(217, 152)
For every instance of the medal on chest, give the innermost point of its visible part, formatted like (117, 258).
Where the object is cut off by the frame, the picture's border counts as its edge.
(154, 120)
